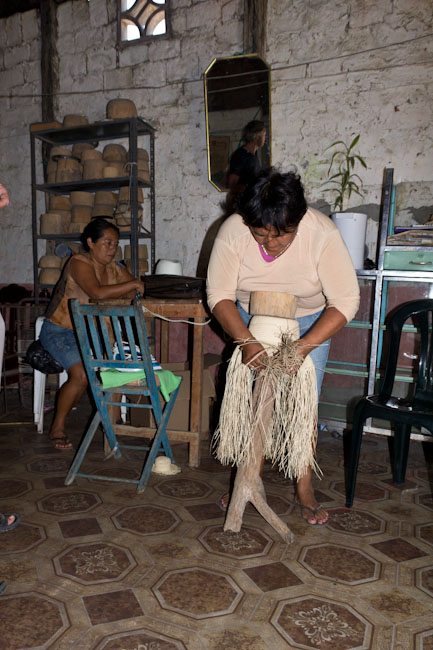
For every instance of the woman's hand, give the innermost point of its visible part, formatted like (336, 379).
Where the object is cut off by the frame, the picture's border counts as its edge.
(4, 196)
(252, 352)
(139, 287)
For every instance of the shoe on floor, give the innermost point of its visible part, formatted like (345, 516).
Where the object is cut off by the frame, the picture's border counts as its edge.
(4, 525)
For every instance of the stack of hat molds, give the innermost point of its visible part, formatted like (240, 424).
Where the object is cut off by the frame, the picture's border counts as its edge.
(74, 120)
(123, 209)
(93, 164)
(116, 157)
(50, 269)
(56, 221)
(143, 262)
(104, 205)
(120, 108)
(82, 206)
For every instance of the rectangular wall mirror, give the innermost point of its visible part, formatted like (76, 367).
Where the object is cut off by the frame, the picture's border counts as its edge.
(237, 92)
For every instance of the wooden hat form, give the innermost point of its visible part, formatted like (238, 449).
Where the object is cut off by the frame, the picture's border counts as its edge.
(272, 303)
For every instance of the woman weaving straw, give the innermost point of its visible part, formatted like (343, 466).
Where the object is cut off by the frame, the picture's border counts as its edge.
(276, 243)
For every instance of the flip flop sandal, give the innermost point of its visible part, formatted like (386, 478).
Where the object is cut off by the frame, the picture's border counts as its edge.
(61, 439)
(4, 526)
(3, 586)
(313, 512)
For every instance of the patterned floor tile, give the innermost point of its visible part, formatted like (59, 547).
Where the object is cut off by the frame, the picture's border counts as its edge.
(96, 566)
(21, 539)
(198, 593)
(41, 621)
(67, 503)
(397, 606)
(94, 563)
(272, 576)
(139, 640)
(205, 511)
(80, 527)
(249, 542)
(355, 522)
(146, 520)
(239, 638)
(309, 622)
(14, 488)
(340, 563)
(399, 549)
(112, 606)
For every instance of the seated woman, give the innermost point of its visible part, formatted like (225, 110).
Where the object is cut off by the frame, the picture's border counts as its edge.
(276, 243)
(92, 275)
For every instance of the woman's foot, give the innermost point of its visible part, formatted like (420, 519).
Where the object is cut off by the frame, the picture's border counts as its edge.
(8, 521)
(313, 516)
(224, 501)
(313, 512)
(60, 440)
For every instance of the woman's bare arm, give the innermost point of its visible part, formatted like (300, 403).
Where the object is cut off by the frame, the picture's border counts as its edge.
(84, 275)
(230, 320)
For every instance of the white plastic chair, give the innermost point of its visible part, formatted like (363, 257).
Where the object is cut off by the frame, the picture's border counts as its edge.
(2, 344)
(39, 381)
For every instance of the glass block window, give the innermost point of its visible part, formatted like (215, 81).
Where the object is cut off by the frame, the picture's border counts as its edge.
(142, 20)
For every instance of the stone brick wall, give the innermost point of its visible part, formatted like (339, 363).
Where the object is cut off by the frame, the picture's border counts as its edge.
(338, 68)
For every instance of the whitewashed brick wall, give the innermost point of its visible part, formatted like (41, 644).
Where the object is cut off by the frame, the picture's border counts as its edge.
(339, 68)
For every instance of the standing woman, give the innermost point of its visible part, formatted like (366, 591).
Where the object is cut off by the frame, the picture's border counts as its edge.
(276, 243)
(93, 275)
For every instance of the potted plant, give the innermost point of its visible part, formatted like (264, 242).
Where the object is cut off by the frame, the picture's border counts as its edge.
(344, 182)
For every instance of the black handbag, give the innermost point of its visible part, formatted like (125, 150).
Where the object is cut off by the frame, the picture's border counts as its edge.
(40, 359)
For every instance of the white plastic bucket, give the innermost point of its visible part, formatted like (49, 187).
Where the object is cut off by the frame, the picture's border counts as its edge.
(353, 228)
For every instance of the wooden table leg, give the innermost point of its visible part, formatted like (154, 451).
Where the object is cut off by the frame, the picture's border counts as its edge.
(196, 377)
(164, 342)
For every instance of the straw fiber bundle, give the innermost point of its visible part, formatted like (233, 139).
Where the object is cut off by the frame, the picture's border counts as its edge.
(289, 435)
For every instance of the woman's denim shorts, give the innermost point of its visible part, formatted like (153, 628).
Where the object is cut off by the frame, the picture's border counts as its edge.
(61, 343)
(319, 356)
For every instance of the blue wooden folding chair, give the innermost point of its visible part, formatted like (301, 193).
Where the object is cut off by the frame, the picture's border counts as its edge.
(100, 330)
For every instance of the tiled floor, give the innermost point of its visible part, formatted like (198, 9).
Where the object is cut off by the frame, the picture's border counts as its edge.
(95, 566)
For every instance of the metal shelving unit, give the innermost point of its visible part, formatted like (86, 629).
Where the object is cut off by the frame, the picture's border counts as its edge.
(127, 128)
(381, 277)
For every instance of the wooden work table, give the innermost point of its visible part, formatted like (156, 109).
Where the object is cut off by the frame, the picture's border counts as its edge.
(178, 309)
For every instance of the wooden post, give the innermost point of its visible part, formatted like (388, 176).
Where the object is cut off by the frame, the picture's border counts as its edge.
(49, 67)
(255, 17)
(248, 484)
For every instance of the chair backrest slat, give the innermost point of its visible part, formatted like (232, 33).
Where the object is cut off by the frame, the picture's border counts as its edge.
(421, 312)
(100, 326)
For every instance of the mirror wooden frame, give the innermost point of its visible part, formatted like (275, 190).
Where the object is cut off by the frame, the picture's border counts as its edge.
(239, 85)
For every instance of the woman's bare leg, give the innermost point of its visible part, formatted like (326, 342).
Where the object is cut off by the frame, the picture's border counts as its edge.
(69, 394)
(305, 496)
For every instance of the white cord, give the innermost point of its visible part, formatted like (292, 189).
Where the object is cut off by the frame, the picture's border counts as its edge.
(178, 320)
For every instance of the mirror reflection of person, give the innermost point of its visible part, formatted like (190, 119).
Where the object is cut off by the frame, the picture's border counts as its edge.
(244, 162)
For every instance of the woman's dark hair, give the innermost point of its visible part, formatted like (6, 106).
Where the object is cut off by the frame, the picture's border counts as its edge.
(95, 230)
(273, 200)
(252, 129)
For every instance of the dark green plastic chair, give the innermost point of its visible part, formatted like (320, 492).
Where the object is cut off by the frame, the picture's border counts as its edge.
(96, 325)
(402, 413)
